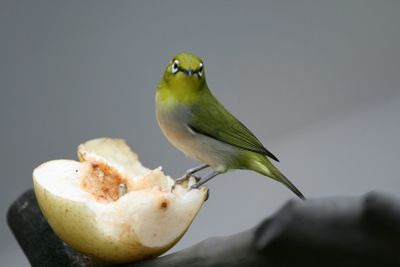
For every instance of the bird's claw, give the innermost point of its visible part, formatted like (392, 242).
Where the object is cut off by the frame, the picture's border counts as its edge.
(184, 178)
(194, 186)
(196, 178)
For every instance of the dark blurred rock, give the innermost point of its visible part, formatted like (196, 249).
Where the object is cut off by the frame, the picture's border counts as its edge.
(38, 241)
(341, 231)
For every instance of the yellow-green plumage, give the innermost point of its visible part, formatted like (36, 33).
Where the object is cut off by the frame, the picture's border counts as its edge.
(195, 122)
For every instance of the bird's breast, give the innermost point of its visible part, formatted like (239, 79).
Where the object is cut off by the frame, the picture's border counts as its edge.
(174, 125)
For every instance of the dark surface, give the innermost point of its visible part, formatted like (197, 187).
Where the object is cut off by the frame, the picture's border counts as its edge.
(38, 241)
(341, 231)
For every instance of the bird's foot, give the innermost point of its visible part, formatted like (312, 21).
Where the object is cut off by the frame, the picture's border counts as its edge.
(184, 178)
(194, 186)
(205, 180)
(197, 185)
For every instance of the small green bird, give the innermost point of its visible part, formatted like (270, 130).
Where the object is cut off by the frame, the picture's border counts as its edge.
(196, 123)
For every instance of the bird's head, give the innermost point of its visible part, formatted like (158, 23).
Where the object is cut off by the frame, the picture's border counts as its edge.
(184, 73)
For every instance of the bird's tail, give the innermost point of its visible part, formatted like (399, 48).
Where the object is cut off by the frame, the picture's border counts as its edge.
(265, 167)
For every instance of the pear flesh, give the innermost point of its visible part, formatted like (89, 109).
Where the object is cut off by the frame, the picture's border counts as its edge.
(83, 203)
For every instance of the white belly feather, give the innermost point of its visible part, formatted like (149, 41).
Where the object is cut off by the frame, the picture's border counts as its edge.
(196, 146)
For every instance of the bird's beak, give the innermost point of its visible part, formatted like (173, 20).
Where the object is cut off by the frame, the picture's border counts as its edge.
(188, 72)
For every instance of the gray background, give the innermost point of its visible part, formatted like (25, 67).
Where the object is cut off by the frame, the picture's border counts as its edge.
(317, 81)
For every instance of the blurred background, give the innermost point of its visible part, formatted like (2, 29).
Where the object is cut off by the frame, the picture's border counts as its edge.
(317, 81)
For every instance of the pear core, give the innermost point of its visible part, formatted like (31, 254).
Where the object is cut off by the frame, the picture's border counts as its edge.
(83, 204)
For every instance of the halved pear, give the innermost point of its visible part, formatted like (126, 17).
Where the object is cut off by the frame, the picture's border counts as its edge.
(84, 205)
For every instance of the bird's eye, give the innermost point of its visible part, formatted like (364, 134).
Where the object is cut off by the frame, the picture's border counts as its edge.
(200, 71)
(175, 66)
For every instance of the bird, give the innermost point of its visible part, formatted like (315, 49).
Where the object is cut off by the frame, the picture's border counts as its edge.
(196, 123)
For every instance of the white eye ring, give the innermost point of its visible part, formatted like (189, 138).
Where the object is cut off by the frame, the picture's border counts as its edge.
(175, 66)
(200, 71)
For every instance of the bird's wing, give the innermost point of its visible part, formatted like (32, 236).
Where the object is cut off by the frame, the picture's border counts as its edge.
(210, 118)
